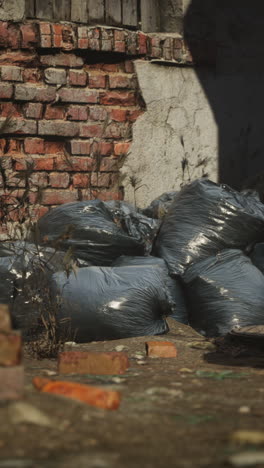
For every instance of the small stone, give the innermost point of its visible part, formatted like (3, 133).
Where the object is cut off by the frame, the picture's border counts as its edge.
(247, 459)
(138, 356)
(70, 343)
(248, 437)
(185, 370)
(25, 413)
(204, 345)
(244, 409)
(164, 391)
(118, 380)
(120, 348)
(49, 372)
(142, 363)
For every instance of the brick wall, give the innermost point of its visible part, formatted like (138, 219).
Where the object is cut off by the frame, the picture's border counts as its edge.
(68, 100)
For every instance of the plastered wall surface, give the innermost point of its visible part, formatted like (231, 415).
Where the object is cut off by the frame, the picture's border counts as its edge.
(176, 139)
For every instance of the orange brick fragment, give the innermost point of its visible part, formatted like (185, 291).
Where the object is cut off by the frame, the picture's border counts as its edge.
(5, 321)
(10, 348)
(162, 349)
(94, 396)
(86, 362)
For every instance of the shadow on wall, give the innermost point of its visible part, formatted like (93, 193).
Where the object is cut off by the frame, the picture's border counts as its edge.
(234, 83)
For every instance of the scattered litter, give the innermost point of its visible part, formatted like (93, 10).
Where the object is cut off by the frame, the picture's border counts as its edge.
(205, 345)
(244, 410)
(185, 370)
(248, 437)
(245, 459)
(25, 413)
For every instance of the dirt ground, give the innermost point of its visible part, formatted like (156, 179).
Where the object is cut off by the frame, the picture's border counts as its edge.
(177, 412)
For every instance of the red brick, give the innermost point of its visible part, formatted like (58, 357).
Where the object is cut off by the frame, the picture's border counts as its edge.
(58, 197)
(81, 180)
(142, 43)
(156, 52)
(77, 78)
(55, 76)
(39, 179)
(94, 33)
(11, 73)
(97, 81)
(119, 35)
(87, 362)
(5, 319)
(59, 180)
(91, 130)
(38, 211)
(10, 348)
(34, 146)
(80, 147)
(94, 44)
(118, 98)
(83, 43)
(129, 66)
(29, 36)
(33, 110)
(82, 32)
(40, 163)
(98, 113)
(121, 148)
(6, 91)
(109, 195)
(100, 180)
(45, 28)
(73, 95)
(120, 81)
(115, 130)
(9, 109)
(54, 147)
(108, 165)
(45, 41)
(110, 67)
(3, 34)
(62, 60)
(20, 126)
(54, 112)
(119, 115)
(14, 36)
(75, 164)
(161, 349)
(120, 46)
(94, 396)
(11, 382)
(63, 36)
(58, 128)
(17, 58)
(32, 75)
(77, 113)
(106, 148)
(133, 115)
(14, 147)
(29, 92)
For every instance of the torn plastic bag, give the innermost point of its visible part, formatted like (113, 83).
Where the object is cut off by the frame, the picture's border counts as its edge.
(257, 256)
(113, 303)
(98, 233)
(205, 218)
(160, 206)
(173, 285)
(224, 291)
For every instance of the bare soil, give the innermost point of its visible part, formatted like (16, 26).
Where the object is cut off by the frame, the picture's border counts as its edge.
(175, 412)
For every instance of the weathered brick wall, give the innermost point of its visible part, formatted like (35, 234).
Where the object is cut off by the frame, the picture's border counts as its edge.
(69, 97)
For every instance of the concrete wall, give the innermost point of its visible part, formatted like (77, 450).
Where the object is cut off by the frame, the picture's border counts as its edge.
(176, 139)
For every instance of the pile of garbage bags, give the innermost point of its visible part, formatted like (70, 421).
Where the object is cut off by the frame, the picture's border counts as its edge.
(113, 271)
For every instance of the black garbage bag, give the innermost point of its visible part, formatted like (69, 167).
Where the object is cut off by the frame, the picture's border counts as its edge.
(97, 232)
(20, 259)
(257, 256)
(174, 289)
(205, 218)
(112, 303)
(159, 207)
(224, 291)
